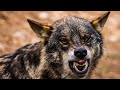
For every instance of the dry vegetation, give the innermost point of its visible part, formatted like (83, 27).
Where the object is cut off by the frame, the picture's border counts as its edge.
(15, 32)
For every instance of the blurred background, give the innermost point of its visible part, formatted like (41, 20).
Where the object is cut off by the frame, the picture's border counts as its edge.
(15, 32)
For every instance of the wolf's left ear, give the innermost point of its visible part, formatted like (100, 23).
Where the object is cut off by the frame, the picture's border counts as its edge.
(43, 31)
(99, 22)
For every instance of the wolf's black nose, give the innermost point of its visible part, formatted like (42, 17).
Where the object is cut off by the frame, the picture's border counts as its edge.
(80, 52)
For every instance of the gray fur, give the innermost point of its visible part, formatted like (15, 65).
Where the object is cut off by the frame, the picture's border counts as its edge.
(50, 60)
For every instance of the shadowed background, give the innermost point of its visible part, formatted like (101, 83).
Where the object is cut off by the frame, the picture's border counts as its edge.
(16, 32)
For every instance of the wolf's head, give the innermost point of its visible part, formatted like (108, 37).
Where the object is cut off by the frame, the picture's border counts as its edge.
(74, 42)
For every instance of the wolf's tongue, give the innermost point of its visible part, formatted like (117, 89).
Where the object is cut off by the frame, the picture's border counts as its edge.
(81, 62)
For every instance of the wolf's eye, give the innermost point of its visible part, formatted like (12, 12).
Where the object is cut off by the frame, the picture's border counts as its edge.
(64, 43)
(86, 38)
(63, 40)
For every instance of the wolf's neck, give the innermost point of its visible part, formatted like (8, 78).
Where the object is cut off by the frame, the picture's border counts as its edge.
(50, 65)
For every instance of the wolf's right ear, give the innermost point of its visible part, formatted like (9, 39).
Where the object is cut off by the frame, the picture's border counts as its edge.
(43, 31)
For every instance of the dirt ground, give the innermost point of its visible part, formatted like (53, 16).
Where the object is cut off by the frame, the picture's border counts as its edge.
(15, 32)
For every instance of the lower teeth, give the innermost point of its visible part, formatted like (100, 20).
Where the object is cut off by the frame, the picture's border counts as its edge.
(80, 68)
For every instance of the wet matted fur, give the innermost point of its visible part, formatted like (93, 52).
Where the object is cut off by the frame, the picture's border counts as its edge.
(70, 49)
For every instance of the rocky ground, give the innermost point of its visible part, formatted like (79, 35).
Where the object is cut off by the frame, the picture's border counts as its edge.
(15, 32)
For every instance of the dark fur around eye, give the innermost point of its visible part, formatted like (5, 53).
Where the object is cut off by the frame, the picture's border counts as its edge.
(63, 40)
(86, 38)
(64, 43)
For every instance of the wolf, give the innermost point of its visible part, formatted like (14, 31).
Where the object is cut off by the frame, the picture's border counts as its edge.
(70, 49)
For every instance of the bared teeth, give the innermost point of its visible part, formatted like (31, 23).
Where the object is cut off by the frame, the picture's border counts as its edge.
(85, 65)
(76, 64)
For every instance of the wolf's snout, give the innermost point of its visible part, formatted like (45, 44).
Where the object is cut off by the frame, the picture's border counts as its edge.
(80, 52)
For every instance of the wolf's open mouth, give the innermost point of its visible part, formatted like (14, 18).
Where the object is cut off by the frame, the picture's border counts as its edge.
(79, 67)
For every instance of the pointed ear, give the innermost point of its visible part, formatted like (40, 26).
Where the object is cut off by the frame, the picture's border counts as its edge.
(99, 22)
(43, 31)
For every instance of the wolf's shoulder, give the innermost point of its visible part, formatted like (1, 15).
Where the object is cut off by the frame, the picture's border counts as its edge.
(28, 50)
